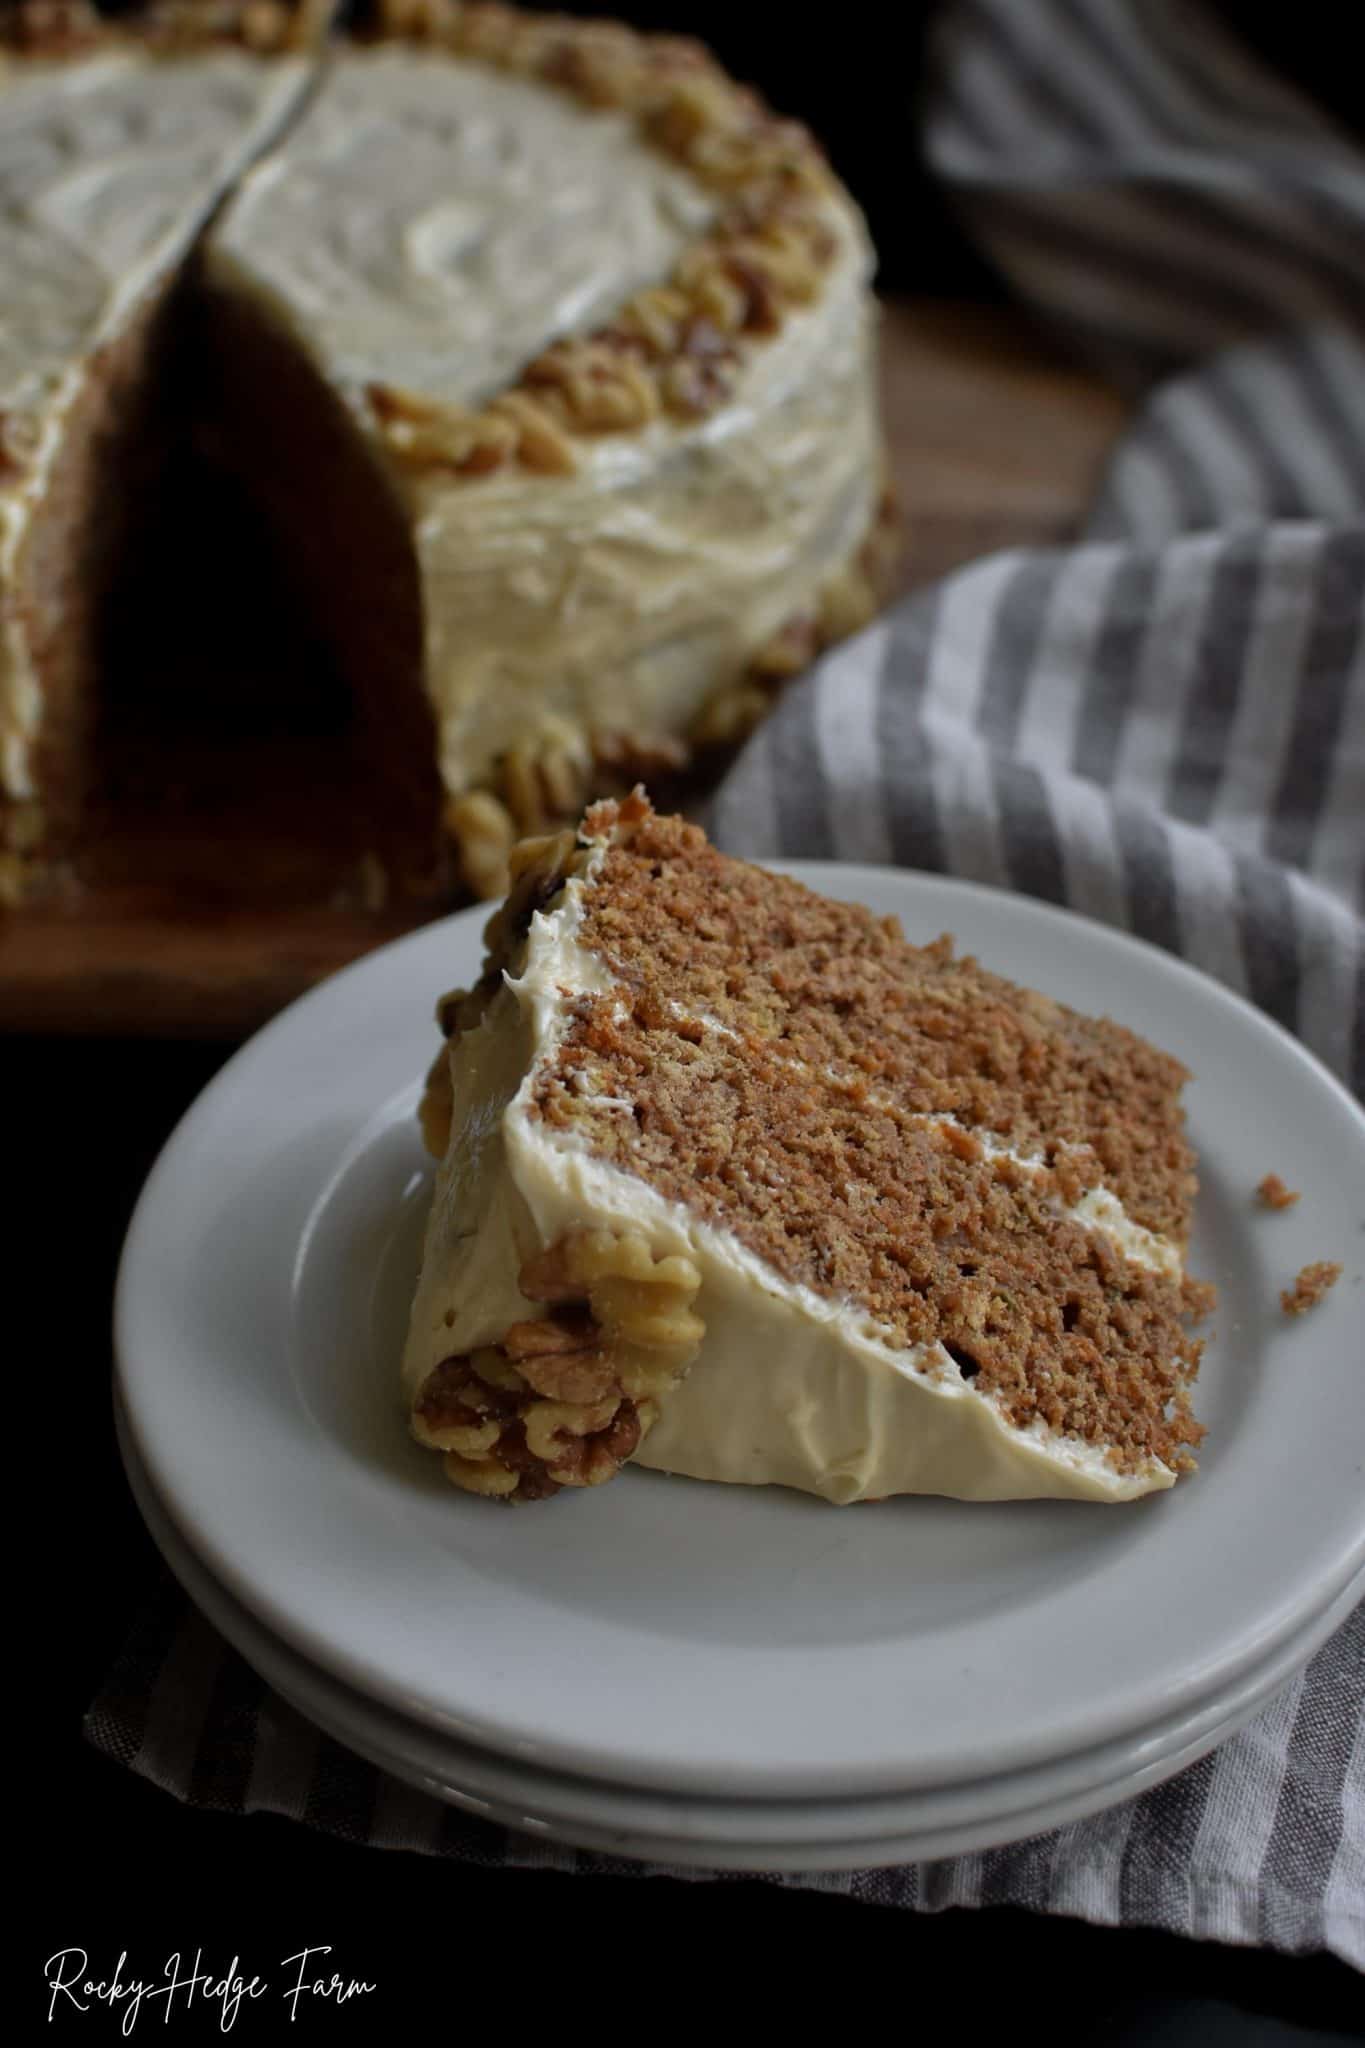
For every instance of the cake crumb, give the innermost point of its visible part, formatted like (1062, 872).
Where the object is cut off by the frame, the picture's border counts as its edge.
(1310, 1286)
(1272, 1193)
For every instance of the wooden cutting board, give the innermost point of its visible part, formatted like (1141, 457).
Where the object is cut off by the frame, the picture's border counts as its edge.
(207, 921)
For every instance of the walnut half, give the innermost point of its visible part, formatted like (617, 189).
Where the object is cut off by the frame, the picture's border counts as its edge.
(565, 1399)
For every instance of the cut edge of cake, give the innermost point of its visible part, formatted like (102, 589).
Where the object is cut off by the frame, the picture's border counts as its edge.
(570, 1280)
(71, 454)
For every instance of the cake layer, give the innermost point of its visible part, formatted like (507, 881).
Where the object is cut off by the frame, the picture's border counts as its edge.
(936, 1224)
(110, 162)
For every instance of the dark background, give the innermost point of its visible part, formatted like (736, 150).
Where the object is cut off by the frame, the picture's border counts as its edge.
(116, 1864)
(852, 69)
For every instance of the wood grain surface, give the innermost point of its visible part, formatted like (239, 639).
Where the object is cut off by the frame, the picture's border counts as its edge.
(221, 879)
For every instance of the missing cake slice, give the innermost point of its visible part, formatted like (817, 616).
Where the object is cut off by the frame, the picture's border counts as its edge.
(737, 1183)
(119, 136)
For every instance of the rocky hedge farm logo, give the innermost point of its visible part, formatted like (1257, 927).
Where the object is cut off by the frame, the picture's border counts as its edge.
(305, 1982)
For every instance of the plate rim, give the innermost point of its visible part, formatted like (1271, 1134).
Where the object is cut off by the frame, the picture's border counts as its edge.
(1190, 1737)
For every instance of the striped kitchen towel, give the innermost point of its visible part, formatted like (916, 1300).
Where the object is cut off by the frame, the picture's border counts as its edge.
(1162, 726)
(1262, 1843)
(1145, 184)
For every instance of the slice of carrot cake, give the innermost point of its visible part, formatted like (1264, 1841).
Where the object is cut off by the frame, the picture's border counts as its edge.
(737, 1183)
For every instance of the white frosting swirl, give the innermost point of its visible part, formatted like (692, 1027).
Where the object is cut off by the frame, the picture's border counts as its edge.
(434, 224)
(618, 597)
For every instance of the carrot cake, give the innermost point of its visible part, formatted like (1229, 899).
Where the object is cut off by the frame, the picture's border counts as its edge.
(547, 351)
(115, 145)
(561, 348)
(737, 1183)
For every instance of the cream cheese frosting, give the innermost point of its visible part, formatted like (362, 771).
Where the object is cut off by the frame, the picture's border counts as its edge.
(434, 224)
(573, 337)
(108, 169)
(615, 597)
(790, 1388)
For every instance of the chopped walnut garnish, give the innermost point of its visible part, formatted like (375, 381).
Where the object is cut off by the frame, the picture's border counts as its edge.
(487, 29)
(566, 1398)
(265, 25)
(593, 387)
(534, 872)
(1309, 1287)
(57, 29)
(53, 28)
(537, 871)
(425, 434)
(672, 348)
(1272, 1193)
(652, 322)
(541, 443)
(716, 296)
(626, 758)
(700, 380)
(540, 783)
(544, 778)
(484, 833)
(420, 20)
(604, 63)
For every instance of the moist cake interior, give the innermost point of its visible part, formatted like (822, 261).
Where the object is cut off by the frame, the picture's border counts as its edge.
(923, 1230)
(221, 756)
(853, 1110)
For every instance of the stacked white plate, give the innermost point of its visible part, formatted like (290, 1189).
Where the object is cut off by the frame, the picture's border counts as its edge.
(724, 1676)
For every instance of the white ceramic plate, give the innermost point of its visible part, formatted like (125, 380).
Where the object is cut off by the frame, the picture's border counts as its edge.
(690, 1834)
(720, 1641)
(743, 1834)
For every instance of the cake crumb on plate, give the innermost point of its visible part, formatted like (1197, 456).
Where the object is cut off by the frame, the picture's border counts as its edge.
(1272, 1193)
(1310, 1286)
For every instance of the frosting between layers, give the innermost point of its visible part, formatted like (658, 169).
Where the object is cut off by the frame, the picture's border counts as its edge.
(108, 168)
(790, 1388)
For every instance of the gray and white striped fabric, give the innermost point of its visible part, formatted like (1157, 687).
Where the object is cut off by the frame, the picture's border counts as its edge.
(1162, 726)
(1166, 736)
(1141, 179)
(1264, 1842)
